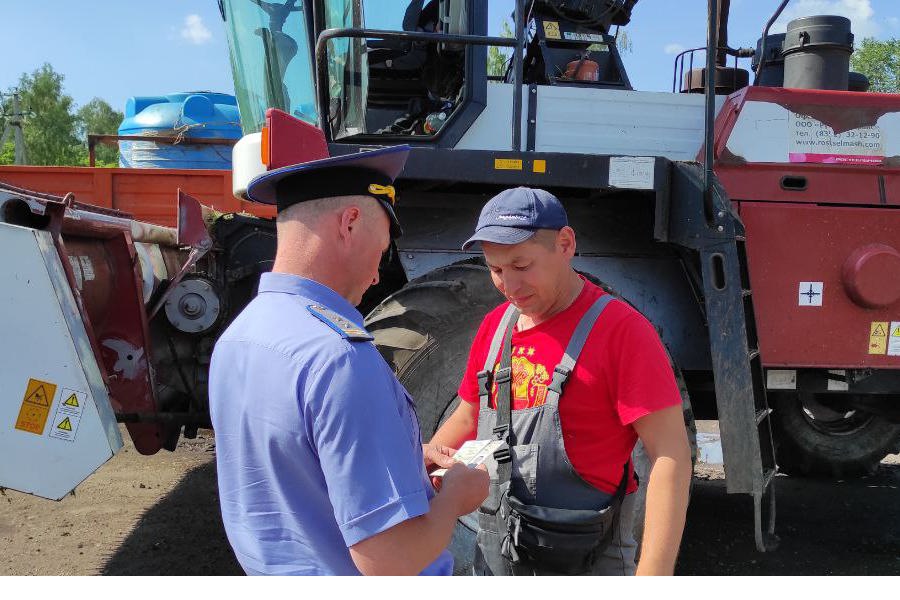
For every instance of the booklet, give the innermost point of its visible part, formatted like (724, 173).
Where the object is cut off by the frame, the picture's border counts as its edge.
(472, 454)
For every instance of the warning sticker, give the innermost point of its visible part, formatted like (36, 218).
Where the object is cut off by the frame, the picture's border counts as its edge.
(894, 339)
(551, 29)
(68, 415)
(878, 336)
(35, 406)
(507, 164)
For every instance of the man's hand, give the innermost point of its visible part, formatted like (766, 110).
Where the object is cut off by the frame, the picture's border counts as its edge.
(465, 487)
(437, 456)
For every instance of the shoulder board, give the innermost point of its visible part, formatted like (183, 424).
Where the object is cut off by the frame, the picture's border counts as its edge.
(348, 329)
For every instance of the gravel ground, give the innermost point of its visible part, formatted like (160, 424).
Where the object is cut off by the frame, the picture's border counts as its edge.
(159, 515)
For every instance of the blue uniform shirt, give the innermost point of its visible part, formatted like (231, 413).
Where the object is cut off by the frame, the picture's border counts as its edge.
(317, 443)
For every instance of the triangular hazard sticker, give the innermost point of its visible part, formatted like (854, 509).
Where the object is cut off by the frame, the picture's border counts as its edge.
(879, 331)
(896, 333)
(72, 401)
(66, 425)
(39, 397)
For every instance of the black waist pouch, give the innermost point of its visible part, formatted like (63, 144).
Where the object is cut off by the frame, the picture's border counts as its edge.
(556, 539)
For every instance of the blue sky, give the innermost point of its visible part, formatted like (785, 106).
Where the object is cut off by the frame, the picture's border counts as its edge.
(114, 49)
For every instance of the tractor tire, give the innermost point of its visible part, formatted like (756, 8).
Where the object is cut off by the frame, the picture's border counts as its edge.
(424, 332)
(814, 440)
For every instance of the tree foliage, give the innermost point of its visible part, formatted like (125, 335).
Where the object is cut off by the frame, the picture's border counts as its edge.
(55, 131)
(51, 126)
(497, 58)
(97, 116)
(880, 62)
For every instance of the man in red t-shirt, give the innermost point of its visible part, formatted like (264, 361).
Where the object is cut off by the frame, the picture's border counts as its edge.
(621, 387)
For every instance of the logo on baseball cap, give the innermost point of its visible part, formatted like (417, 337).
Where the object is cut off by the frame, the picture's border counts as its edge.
(515, 215)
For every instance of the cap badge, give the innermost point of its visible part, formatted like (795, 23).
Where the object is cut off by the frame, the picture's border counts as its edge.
(384, 190)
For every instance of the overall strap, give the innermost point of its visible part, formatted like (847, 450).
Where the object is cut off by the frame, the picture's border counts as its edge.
(484, 376)
(503, 425)
(573, 349)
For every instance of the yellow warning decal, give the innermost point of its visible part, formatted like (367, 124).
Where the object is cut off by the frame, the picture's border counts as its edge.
(551, 29)
(878, 337)
(72, 401)
(507, 164)
(539, 166)
(35, 406)
(66, 425)
(893, 343)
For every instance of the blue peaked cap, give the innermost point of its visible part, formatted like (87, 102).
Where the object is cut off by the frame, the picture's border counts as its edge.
(515, 215)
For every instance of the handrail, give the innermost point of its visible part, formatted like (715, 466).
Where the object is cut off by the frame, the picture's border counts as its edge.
(518, 75)
(712, 43)
(762, 43)
(174, 140)
(407, 36)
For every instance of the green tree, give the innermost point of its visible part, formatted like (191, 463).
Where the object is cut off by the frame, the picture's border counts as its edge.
(7, 152)
(880, 62)
(497, 58)
(51, 128)
(97, 116)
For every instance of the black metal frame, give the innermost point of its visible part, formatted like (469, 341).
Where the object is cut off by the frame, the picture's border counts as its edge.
(322, 97)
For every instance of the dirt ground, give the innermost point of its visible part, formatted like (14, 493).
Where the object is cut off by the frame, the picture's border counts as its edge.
(159, 515)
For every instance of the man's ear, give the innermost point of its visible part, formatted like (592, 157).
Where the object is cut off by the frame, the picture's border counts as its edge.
(565, 240)
(349, 219)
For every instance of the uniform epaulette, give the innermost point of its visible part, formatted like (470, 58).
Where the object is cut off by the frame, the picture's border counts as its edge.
(348, 329)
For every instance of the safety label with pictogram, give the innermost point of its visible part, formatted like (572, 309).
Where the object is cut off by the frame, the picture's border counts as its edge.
(68, 415)
(878, 337)
(894, 339)
(551, 29)
(36, 404)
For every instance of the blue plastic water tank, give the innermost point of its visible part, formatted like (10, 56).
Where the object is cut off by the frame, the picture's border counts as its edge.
(192, 115)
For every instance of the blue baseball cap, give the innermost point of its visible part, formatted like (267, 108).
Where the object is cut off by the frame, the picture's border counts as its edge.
(515, 215)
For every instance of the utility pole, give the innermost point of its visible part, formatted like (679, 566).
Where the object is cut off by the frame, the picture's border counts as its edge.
(14, 128)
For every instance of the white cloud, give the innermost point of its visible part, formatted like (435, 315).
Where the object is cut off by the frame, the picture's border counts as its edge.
(674, 49)
(860, 13)
(195, 31)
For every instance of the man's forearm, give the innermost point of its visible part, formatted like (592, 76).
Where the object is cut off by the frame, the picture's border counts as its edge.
(455, 430)
(666, 508)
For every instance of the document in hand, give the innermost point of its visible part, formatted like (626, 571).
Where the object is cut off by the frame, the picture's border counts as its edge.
(472, 454)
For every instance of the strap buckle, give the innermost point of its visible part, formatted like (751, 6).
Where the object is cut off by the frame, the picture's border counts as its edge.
(502, 454)
(560, 376)
(503, 376)
(484, 382)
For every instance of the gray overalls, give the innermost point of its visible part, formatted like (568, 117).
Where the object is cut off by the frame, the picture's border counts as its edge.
(539, 473)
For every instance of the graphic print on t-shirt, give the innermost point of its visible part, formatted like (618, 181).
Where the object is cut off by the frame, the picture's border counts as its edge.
(529, 379)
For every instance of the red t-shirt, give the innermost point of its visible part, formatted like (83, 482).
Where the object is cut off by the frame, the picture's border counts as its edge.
(623, 374)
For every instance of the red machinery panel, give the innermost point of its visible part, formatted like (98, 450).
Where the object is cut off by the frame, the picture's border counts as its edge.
(826, 284)
(145, 194)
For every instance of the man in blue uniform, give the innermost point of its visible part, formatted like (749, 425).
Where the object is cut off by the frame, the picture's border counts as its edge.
(320, 464)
